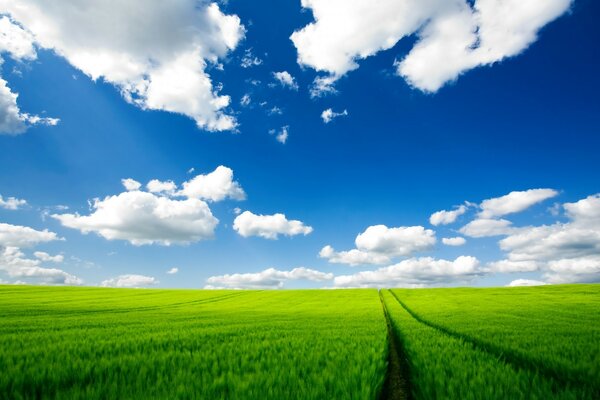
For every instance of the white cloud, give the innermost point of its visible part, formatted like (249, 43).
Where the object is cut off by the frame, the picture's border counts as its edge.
(173, 271)
(514, 202)
(353, 257)
(145, 218)
(14, 263)
(510, 266)
(328, 115)
(11, 203)
(215, 186)
(445, 217)
(245, 100)
(250, 60)
(453, 35)
(322, 86)
(283, 134)
(268, 226)
(131, 184)
(18, 43)
(23, 236)
(487, 227)
(45, 257)
(270, 278)
(156, 186)
(378, 244)
(286, 80)
(415, 272)
(454, 241)
(129, 281)
(154, 53)
(564, 252)
(526, 282)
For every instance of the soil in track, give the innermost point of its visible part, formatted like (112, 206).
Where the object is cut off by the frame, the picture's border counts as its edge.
(396, 386)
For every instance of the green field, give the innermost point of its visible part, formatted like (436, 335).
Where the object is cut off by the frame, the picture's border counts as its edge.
(96, 343)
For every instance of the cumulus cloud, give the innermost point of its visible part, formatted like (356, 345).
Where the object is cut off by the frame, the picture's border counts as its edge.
(454, 241)
(18, 44)
(158, 215)
(23, 236)
(487, 227)
(268, 226)
(43, 256)
(173, 271)
(156, 186)
(129, 281)
(565, 252)
(155, 54)
(215, 186)
(415, 272)
(453, 35)
(526, 282)
(378, 244)
(145, 218)
(131, 184)
(445, 217)
(16, 265)
(245, 100)
(514, 202)
(11, 203)
(328, 115)
(270, 278)
(286, 80)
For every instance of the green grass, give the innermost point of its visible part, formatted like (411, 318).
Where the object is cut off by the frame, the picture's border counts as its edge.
(445, 367)
(90, 343)
(96, 343)
(555, 329)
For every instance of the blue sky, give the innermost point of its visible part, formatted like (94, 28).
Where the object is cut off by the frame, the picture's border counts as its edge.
(427, 129)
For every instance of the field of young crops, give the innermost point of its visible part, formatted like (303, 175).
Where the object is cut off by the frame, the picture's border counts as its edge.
(95, 343)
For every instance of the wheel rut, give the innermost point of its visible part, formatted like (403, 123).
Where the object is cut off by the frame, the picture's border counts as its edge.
(397, 384)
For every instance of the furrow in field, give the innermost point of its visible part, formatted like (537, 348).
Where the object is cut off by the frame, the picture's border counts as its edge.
(396, 385)
(518, 361)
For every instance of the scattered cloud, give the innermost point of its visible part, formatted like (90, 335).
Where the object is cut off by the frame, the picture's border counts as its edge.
(323, 86)
(445, 217)
(11, 203)
(415, 272)
(16, 265)
(454, 241)
(131, 184)
(268, 226)
(129, 281)
(453, 36)
(286, 80)
(18, 44)
(156, 62)
(245, 100)
(378, 244)
(23, 236)
(282, 135)
(565, 252)
(514, 202)
(215, 186)
(526, 282)
(275, 111)
(45, 257)
(156, 186)
(487, 227)
(173, 271)
(145, 218)
(328, 115)
(270, 278)
(250, 60)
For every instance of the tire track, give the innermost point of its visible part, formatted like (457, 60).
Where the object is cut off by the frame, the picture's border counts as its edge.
(516, 360)
(397, 385)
